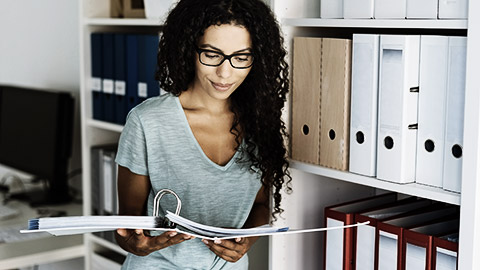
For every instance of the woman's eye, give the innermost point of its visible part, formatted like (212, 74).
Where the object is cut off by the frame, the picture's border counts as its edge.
(242, 58)
(212, 55)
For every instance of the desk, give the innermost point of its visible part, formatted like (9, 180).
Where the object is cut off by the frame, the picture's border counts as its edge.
(41, 250)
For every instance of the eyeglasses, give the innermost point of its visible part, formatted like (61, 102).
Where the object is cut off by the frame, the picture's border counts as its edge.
(215, 59)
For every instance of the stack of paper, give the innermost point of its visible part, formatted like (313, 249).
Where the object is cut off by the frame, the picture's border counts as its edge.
(86, 224)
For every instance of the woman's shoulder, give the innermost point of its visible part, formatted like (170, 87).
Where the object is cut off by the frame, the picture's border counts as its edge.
(158, 104)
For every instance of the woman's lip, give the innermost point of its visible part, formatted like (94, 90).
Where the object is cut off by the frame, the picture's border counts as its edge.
(222, 86)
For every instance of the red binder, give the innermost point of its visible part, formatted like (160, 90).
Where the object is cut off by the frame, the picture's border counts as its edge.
(417, 242)
(339, 243)
(445, 251)
(389, 233)
(364, 247)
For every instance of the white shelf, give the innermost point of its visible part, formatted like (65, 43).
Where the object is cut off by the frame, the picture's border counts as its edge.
(104, 125)
(413, 189)
(120, 22)
(376, 23)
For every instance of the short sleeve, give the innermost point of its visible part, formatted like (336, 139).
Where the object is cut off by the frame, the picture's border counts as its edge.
(132, 149)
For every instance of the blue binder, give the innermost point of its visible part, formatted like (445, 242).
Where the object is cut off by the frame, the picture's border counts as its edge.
(142, 68)
(151, 51)
(120, 79)
(108, 77)
(96, 76)
(132, 71)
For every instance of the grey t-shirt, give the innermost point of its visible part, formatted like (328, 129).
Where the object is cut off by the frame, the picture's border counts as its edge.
(157, 141)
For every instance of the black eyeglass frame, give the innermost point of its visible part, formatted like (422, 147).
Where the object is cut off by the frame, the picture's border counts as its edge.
(225, 57)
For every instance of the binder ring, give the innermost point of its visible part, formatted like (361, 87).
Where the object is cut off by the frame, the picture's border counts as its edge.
(158, 197)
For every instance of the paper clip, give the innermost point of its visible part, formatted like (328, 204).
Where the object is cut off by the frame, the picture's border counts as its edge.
(166, 223)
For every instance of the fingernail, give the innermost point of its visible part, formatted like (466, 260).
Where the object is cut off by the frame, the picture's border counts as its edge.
(238, 239)
(205, 241)
(138, 232)
(173, 234)
(217, 241)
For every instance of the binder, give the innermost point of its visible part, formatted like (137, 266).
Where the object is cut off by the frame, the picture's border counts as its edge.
(108, 53)
(365, 238)
(422, 9)
(96, 76)
(104, 183)
(321, 101)
(452, 9)
(331, 9)
(418, 242)
(364, 100)
(306, 99)
(132, 71)
(445, 252)
(390, 9)
(452, 169)
(431, 110)
(147, 60)
(358, 9)
(389, 233)
(335, 103)
(397, 111)
(151, 51)
(120, 79)
(339, 243)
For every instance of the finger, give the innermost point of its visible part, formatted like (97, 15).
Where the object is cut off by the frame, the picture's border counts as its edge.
(224, 249)
(122, 232)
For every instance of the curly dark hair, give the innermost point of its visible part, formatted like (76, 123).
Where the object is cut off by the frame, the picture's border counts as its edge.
(258, 102)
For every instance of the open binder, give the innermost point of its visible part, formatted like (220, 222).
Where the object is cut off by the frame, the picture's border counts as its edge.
(171, 222)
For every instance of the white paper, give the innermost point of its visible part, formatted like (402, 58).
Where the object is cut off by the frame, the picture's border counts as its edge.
(86, 224)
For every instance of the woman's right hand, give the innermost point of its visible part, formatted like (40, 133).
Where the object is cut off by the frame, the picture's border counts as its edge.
(136, 242)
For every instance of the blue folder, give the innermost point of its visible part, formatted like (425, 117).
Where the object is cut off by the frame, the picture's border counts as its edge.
(120, 79)
(96, 76)
(132, 71)
(151, 51)
(108, 77)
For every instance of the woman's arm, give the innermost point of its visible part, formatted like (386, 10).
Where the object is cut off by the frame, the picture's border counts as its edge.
(133, 190)
(233, 250)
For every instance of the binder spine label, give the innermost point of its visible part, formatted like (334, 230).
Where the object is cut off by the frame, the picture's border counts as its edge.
(96, 84)
(108, 86)
(142, 90)
(120, 88)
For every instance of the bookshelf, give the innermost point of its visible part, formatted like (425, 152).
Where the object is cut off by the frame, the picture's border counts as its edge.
(302, 19)
(95, 17)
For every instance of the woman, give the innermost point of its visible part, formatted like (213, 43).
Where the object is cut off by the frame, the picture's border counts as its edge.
(216, 137)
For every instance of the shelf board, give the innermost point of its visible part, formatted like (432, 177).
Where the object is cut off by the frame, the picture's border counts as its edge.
(413, 189)
(104, 125)
(121, 22)
(376, 23)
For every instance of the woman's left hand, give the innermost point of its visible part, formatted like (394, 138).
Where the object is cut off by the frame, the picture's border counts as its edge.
(230, 250)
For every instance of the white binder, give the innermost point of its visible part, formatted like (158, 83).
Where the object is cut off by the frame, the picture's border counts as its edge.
(331, 9)
(390, 9)
(358, 9)
(431, 110)
(452, 9)
(397, 112)
(422, 9)
(364, 99)
(452, 172)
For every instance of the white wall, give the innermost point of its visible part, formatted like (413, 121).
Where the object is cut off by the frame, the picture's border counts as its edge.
(39, 48)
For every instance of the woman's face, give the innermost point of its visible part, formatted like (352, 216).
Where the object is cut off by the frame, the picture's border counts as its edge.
(221, 81)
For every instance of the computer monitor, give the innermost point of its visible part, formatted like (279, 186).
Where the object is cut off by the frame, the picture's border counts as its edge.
(36, 138)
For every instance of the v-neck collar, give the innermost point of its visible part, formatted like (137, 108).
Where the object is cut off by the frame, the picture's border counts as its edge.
(197, 144)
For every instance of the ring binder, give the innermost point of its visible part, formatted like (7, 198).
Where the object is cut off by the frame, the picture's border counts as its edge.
(166, 223)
